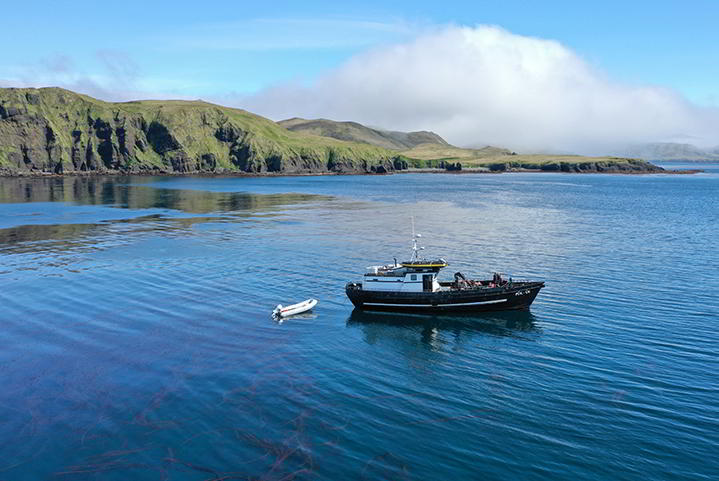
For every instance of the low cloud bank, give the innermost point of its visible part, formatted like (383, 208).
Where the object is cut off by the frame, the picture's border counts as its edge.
(472, 85)
(486, 85)
(111, 75)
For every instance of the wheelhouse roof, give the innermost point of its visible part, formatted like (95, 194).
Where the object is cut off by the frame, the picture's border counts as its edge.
(421, 263)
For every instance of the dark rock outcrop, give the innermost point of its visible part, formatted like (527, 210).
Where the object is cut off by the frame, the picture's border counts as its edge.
(450, 166)
(55, 131)
(612, 166)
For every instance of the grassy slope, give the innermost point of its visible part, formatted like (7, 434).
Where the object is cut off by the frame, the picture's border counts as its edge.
(438, 154)
(266, 136)
(355, 132)
(495, 158)
(55, 130)
(433, 152)
(191, 125)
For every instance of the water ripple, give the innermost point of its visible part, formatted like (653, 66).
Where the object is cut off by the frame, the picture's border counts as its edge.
(137, 341)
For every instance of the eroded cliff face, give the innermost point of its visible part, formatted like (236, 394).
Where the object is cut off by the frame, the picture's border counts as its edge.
(57, 131)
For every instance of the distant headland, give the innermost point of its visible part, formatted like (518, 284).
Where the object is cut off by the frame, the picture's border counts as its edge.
(52, 131)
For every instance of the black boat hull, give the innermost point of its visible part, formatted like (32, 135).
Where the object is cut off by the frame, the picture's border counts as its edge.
(519, 295)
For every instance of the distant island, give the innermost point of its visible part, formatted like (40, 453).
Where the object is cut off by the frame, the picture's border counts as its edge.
(673, 152)
(52, 131)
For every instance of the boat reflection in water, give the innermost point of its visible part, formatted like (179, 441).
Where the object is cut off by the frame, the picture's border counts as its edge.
(377, 324)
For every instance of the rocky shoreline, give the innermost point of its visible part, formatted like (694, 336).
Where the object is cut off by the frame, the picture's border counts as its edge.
(94, 174)
(480, 170)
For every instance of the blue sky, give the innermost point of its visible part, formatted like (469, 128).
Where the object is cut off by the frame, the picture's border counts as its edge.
(196, 48)
(242, 53)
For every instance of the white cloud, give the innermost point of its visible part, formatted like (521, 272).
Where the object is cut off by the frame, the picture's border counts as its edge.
(113, 76)
(474, 86)
(487, 85)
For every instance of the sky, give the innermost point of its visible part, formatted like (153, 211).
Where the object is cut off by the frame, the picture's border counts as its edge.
(532, 76)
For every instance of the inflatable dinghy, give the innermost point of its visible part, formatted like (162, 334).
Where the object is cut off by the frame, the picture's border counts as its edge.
(285, 311)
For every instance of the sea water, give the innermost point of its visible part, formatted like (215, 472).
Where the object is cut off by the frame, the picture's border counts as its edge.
(136, 340)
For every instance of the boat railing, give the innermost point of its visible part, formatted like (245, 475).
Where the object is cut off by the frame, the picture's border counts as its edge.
(386, 271)
(470, 284)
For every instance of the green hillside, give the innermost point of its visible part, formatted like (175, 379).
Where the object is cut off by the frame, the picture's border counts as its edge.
(355, 132)
(497, 159)
(427, 150)
(55, 131)
(52, 130)
(450, 152)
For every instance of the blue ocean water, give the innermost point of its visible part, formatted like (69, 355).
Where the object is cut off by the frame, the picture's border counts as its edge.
(136, 340)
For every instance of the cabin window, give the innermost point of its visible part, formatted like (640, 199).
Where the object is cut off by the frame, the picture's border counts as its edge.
(413, 277)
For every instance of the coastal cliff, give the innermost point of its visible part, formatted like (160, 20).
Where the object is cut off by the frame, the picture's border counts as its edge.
(55, 131)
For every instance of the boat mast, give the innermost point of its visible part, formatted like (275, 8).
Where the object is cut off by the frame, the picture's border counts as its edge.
(415, 248)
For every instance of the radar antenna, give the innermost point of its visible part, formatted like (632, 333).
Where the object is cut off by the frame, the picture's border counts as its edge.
(415, 247)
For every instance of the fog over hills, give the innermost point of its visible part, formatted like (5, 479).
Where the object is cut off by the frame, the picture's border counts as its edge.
(484, 85)
(472, 85)
(672, 151)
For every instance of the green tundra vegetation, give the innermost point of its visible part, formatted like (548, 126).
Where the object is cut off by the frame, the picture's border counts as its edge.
(355, 132)
(427, 150)
(497, 159)
(55, 131)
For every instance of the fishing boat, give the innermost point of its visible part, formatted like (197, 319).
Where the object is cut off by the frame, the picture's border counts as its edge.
(285, 311)
(414, 286)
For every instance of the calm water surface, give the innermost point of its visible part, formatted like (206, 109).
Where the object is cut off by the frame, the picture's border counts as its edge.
(136, 340)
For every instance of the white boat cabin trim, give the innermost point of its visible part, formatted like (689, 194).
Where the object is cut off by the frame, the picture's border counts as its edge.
(401, 279)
